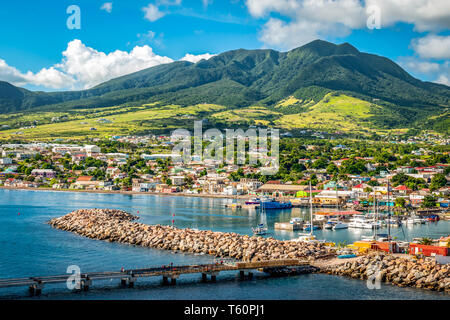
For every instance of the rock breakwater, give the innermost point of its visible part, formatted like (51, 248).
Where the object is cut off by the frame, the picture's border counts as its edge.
(400, 271)
(120, 226)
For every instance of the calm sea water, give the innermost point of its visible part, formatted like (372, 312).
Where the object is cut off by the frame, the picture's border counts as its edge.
(30, 247)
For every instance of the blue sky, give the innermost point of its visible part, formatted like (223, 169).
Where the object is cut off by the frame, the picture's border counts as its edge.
(34, 35)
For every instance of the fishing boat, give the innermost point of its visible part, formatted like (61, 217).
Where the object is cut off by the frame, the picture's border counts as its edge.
(271, 203)
(253, 201)
(260, 230)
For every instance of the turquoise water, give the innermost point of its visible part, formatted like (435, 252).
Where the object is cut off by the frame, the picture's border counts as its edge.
(30, 247)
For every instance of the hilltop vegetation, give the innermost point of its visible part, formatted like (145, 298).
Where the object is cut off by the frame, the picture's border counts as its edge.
(289, 89)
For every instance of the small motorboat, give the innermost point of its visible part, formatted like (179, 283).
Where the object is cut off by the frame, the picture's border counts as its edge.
(340, 225)
(328, 226)
(433, 218)
(305, 237)
(307, 227)
(260, 230)
(295, 220)
(347, 256)
(253, 201)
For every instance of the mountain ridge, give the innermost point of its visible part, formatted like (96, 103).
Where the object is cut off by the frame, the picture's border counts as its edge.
(241, 78)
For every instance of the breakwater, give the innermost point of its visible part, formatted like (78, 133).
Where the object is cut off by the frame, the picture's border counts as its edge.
(400, 271)
(120, 226)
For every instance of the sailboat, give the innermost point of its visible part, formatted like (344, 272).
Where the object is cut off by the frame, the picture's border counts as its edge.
(308, 237)
(339, 224)
(261, 229)
(373, 237)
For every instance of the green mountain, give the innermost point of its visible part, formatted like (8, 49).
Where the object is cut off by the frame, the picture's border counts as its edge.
(244, 78)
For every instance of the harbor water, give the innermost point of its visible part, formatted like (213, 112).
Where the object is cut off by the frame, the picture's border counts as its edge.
(30, 247)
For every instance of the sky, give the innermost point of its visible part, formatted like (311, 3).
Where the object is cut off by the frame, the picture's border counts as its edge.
(58, 45)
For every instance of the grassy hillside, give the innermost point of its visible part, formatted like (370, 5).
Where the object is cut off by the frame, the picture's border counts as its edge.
(319, 85)
(335, 112)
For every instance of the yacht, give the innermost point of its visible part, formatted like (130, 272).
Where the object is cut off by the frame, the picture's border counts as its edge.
(360, 222)
(340, 225)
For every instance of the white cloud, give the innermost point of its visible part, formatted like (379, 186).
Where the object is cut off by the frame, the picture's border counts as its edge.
(306, 20)
(152, 13)
(107, 6)
(303, 20)
(83, 67)
(425, 15)
(432, 47)
(49, 78)
(194, 59)
(169, 2)
(418, 65)
(91, 67)
(443, 79)
(436, 72)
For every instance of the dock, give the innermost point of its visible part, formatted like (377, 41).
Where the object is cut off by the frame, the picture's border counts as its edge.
(129, 277)
(288, 226)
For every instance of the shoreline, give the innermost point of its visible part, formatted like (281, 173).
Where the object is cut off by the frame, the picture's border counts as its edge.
(121, 227)
(178, 194)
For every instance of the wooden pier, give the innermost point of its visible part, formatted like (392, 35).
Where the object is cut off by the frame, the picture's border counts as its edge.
(129, 277)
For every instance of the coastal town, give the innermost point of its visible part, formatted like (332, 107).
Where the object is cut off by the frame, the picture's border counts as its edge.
(405, 174)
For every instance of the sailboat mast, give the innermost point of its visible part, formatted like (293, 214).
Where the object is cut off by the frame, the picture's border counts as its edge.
(389, 215)
(310, 207)
(376, 213)
(337, 196)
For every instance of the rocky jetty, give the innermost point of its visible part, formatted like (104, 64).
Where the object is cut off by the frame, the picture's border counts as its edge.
(400, 271)
(120, 226)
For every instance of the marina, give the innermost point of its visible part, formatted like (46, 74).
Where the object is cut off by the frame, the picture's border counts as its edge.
(63, 248)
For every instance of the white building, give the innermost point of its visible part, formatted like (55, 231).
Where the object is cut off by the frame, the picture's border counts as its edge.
(91, 150)
(5, 161)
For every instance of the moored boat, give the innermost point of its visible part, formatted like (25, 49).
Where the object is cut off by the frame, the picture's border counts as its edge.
(260, 230)
(340, 225)
(271, 203)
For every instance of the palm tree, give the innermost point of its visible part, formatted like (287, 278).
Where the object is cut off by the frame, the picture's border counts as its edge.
(426, 241)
